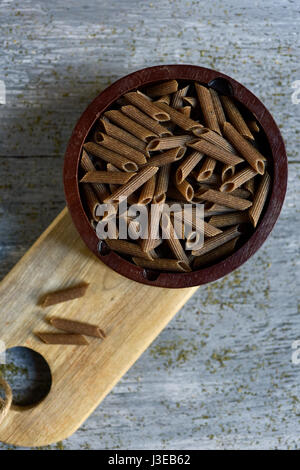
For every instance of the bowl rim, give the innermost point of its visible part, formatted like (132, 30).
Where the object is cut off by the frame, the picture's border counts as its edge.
(148, 76)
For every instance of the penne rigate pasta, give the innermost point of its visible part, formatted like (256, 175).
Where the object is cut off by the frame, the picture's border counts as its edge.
(215, 255)
(163, 264)
(186, 110)
(218, 107)
(178, 118)
(251, 154)
(134, 183)
(227, 172)
(207, 107)
(165, 143)
(215, 152)
(162, 183)
(224, 199)
(130, 125)
(235, 117)
(63, 338)
(128, 248)
(215, 139)
(109, 156)
(163, 88)
(91, 200)
(238, 179)
(121, 135)
(106, 177)
(190, 100)
(253, 126)
(141, 102)
(150, 242)
(77, 327)
(186, 190)
(206, 169)
(225, 220)
(147, 191)
(63, 295)
(177, 101)
(187, 166)
(259, 199)
(167, 157)
(214, 242)
(141, 118)
(121, 148)
(172, 240)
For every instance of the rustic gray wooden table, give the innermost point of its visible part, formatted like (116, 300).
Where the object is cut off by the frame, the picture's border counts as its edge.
(221, 374)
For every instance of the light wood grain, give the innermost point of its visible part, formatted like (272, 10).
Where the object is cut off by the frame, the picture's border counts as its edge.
(131, 315)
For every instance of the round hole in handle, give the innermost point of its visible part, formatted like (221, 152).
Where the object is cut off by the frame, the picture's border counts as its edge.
(28, 375)
(221, 85)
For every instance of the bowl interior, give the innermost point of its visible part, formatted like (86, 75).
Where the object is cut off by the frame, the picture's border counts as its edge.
(270, 142)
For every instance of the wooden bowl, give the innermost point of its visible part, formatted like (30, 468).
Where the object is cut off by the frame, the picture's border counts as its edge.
(225, 85)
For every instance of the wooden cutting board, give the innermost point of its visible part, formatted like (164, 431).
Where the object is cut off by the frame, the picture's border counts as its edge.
(131, 314)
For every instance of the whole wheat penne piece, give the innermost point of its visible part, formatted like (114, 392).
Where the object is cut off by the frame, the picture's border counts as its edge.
(130, 125)
(169, 235)
(77, 327)
(164, 143)
(111, 157)
(251, 154)
(175, 195)
(177, 97)
(207, 107)
(190, 100)
(167, 157)
(121, 135)
(224, 199)
(63, 338)
(147, 106)
(99, 189)
(214, 138)
(208, 229)
(164, 99)
(214, 242)
(163, 88)
(253, 126)
(163, 264)
(121, 148)
(241, 192)
(133, 184)
(91, 200)
(217, 254)
(218, 107)
(141, 118)
(235, 117)
(186, 110)
(250, 186)
(187, 166)
(107, 177)
(215, 152)
(214, 180)
(259, 199)
(216, 209)
(206, 169)
(147, 191)
(227, 172)
(85, 162)
(186, 189)
(238, 179)
(64, 295)
(162, 183)
(149, 243)
(127, 248)
(225, 220)
(179, 119)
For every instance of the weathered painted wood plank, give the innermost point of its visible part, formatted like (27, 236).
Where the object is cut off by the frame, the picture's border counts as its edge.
(220, 375)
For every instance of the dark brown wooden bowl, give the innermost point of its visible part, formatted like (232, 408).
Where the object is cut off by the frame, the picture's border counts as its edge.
(221, 83)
